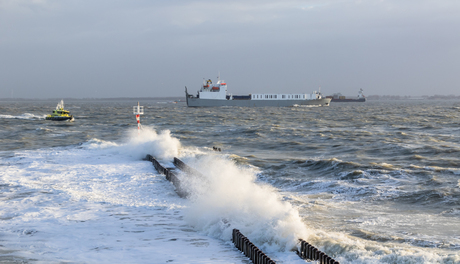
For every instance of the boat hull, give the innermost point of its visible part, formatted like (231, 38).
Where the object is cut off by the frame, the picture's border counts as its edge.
(60, 118)
(197, 102)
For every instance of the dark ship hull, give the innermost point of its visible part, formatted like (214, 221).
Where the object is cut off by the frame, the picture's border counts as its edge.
(348, 100)
(60, 118)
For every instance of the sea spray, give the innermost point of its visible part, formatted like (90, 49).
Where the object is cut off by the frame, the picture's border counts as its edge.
(227, 197)
(138, 144)
(161, 145)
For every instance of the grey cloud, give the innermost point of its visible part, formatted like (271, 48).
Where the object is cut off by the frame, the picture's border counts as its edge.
(155, 48)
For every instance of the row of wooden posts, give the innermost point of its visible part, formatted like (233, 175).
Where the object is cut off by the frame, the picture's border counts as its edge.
(307, 251)
(170, 176)
(249, 249)
(310, 252)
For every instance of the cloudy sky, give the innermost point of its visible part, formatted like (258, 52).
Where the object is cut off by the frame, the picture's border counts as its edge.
(154, 48)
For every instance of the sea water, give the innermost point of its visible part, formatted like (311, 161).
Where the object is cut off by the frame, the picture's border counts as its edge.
(373, 182)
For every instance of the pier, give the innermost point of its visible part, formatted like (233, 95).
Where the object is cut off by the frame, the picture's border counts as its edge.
(306, 251)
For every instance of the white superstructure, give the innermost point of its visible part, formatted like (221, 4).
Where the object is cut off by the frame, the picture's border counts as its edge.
(216, 91)
(312, 96)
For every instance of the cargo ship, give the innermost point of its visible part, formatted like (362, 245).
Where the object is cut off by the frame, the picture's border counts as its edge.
(340, 98)
(216, 95)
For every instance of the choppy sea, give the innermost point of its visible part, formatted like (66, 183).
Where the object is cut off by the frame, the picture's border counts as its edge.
(373, 182)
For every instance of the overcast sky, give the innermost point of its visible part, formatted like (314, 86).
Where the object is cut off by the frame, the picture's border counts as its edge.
(154, 48)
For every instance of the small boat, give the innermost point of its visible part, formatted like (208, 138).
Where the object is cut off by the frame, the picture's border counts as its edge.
(59, 114)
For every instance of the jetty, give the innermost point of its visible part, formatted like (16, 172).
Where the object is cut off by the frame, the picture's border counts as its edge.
(305, 251)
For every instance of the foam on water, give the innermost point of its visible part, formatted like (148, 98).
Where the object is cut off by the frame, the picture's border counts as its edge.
(383, 213)
(228, 197)
(23, 116)
(99, 202)
(161, 145)
(96, 203)
(140, 143)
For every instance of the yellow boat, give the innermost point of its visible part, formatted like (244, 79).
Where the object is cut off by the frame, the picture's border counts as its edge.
(59, 114)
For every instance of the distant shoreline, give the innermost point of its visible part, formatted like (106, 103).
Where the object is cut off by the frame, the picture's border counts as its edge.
(96, 99)
(409, 97)
(181, 98)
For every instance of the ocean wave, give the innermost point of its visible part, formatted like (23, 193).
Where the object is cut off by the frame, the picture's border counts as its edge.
(422, 197)
(419, 242)
(226, 196)
(384, 165)
(453, 212)
(455, 171)
(43, 129)
(330, 164)
(367, 247)
(26, 116)
(95, 143)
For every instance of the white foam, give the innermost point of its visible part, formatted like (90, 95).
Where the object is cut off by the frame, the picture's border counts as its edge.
(228, 197)
(147, 141)
(99, 202)
(23, 116)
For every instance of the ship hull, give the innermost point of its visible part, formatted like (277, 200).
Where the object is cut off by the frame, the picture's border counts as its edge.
(349, 100)
(197, 102)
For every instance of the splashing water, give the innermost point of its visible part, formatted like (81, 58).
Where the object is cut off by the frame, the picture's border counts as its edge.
(161, 145)
(228, 197)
